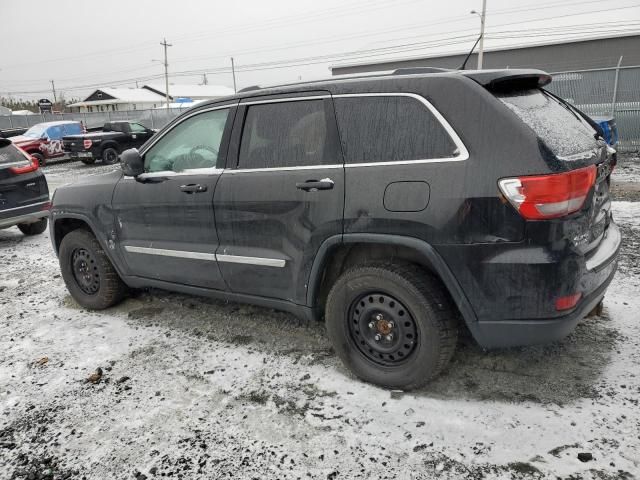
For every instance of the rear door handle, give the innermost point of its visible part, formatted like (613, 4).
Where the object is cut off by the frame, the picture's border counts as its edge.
(193, 188)
(315, 185)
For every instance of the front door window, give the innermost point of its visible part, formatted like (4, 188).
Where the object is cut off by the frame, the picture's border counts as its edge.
(194, 143)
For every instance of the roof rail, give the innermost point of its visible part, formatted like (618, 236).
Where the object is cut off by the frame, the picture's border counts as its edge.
(248, 89)
(418, 70)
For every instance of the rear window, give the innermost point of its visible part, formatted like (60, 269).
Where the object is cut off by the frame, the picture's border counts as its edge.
(390, 128)
(72, 129)
(562, 130)
(10, 154)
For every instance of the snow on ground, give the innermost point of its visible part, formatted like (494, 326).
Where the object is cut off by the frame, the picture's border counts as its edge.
(198, 389)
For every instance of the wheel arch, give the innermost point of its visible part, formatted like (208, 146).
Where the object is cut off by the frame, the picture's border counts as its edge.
(339, 252)
(109, 144)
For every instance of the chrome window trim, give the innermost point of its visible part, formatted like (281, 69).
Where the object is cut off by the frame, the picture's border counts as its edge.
(261, 261)
(462, 155)
(282, 169)
(285, 99)
(197, 171)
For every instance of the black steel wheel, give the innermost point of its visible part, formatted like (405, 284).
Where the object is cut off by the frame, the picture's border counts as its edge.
(85, 271)
(392, 324)
(382, 328)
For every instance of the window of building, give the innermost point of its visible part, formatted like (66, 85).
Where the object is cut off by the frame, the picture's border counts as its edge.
(289, 134)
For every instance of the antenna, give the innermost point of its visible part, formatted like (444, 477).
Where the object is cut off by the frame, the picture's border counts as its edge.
(464, 64)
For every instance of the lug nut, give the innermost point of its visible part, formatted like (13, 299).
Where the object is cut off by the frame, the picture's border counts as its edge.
(379, 316)
(372, 325)
(389, 337)
(378, 337)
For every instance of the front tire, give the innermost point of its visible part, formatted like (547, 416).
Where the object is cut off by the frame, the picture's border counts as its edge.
(89, 275)
(393, 325)
(109, 156)
(35, 228)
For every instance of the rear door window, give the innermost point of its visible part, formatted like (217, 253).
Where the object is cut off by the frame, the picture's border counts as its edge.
(561, 129)
(9, 154)
(289, 134)
(390, 128)
(72, 129)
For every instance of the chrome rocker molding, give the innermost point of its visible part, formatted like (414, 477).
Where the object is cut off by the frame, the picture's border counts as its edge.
(212, 257)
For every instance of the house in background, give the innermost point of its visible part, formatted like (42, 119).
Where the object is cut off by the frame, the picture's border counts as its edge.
(193, 92)
(118, 99)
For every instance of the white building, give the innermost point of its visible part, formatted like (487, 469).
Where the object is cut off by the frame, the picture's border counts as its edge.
(194, 92)
(118, 99)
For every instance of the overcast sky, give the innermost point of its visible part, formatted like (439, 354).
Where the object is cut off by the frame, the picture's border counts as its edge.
(86, 44)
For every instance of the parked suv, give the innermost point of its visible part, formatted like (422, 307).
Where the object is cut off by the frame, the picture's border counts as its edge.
(24, 196)
(397, 207)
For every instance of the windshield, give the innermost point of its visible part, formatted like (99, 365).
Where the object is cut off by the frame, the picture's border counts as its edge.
(36, 131)
(562, 129)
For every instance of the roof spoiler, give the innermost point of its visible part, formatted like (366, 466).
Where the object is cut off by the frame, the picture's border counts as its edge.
(516, 79)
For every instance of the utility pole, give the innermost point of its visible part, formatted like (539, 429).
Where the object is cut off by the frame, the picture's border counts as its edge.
(233, 71)
(53, 87)
(166, 70)
(204, 79)
(481, 46)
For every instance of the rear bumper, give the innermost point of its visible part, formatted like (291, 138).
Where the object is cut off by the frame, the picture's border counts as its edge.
(518, 333)
(512, 288)
(80, 155)
(27, 214)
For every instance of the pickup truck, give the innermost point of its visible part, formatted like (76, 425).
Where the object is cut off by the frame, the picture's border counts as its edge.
(107, 144)
(44, 140)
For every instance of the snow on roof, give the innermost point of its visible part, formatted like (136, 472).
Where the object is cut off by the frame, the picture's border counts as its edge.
(122, 95)
(192, 91)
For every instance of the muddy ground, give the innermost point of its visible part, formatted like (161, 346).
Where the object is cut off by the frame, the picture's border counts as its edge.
(195, 388)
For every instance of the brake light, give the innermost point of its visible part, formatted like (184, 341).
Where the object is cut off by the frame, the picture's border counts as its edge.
(87, 144)
(568, 302)
(32, 166)
(541, 197)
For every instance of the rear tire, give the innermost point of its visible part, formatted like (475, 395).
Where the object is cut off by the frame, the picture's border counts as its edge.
(35, 228)
(408, 309)
(109, 156)
(89, 275)
(41, 160)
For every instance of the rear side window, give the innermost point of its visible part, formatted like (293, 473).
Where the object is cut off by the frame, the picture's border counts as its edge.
(72, 129)
(562, 130)
(9, 154)
(390, 128)
(289, 134)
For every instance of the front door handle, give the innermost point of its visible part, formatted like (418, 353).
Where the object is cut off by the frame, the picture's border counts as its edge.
(315, 185)
(193, 188)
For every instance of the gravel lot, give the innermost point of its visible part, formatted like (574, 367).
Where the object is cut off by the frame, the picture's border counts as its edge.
(194, 388)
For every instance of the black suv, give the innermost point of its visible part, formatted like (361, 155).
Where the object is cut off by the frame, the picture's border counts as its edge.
(395, 206)
(24, 195)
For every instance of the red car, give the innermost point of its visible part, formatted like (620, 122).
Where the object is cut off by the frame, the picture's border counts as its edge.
(44, 140)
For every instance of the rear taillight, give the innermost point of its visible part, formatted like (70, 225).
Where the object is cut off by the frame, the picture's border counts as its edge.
(87, 144)
(32, 166)
(568, 302)
(541, 197)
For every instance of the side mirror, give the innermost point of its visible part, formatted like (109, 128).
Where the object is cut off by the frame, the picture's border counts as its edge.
(131, 162)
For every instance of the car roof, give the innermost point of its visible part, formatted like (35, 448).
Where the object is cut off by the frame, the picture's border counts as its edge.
(486, 78)
(57, 122)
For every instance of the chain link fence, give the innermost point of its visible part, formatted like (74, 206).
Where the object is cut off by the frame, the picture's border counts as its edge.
(611, 92)
(606, 92)
(156, 118)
